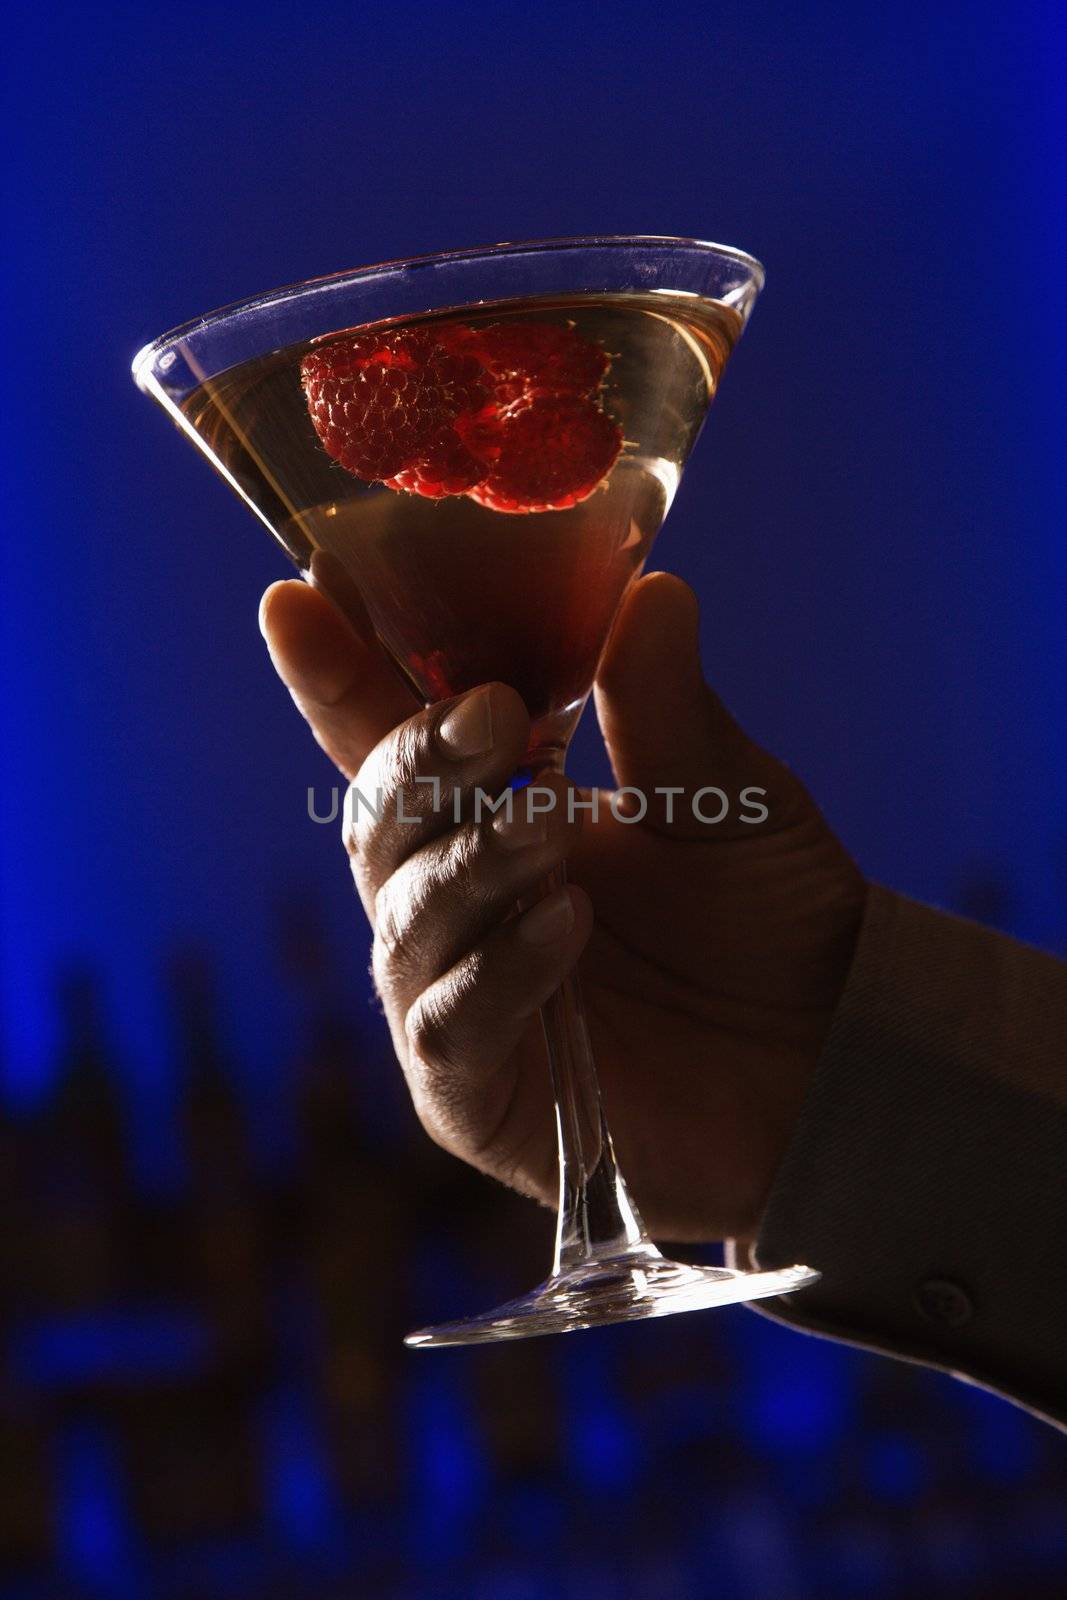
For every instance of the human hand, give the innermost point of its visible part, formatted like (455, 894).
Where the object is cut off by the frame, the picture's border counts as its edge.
(713, 954)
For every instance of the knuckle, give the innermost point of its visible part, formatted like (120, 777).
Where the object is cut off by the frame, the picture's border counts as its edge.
(363, 808)
(463, 856)
(386, 923)
(348, 832)
(395, 786)
(433, 1024)
(405, 905)
(408, 762)
(399, 953)
(436, 891)
(430, 1033)
(383, 970)
(486, 876)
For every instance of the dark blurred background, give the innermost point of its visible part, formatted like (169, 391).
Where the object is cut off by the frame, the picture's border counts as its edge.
(216, 1215)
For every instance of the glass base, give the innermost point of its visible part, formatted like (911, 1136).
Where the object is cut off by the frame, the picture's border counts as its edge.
(617, 1289)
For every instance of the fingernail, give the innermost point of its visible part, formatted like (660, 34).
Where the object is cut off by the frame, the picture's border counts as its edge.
(520, 829)
(467, 730)
(550, 920)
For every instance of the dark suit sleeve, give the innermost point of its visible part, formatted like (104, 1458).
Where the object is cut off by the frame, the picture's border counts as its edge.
(927, 1175)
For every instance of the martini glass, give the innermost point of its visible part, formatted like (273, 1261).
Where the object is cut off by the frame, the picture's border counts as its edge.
(500, 552)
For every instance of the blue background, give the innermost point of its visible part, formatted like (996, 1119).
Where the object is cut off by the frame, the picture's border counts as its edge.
(873, 520)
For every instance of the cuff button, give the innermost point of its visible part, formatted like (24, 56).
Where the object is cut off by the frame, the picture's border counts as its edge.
(942, 1301)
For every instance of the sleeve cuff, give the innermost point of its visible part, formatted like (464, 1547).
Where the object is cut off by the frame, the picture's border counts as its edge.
(925, 1178)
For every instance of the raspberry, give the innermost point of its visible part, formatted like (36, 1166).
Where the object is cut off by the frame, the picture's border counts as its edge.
(554, 452)
(532, 358)
(507, 414)
(383, 404)
(445, 466)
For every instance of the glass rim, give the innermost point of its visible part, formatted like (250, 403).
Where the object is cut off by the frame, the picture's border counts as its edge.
(149, 352)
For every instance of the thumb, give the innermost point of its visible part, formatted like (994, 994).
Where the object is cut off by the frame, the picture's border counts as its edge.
(663, 726)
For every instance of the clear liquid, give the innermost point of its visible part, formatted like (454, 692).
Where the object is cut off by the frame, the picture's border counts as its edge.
(460, 594)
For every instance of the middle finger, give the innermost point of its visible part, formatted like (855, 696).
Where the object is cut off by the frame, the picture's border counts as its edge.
(444, 899)
(416, 781)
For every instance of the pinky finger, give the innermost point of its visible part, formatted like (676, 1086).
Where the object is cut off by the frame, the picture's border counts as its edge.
(476, 1094)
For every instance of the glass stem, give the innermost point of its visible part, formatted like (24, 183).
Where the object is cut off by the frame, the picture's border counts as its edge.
(596, 1220)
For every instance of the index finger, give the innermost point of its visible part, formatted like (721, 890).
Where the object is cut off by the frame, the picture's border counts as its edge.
(341, 680)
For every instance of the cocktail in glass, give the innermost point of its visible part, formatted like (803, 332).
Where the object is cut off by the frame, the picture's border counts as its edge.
(485, 444)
